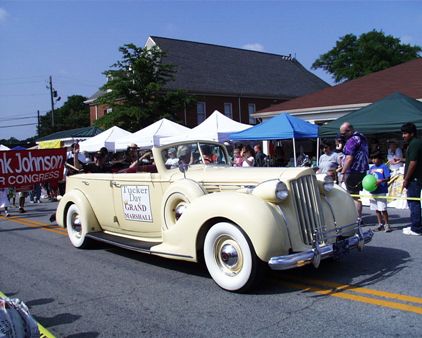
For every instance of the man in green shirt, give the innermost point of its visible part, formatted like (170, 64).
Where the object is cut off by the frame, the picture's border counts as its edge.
(413, 177)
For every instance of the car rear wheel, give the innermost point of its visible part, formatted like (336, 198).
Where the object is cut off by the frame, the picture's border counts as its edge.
(76, 227)
(230, 258)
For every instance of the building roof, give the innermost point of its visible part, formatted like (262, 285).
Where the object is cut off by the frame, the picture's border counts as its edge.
(84, 132)
(95, 96)
(405, 78)
(211, 69)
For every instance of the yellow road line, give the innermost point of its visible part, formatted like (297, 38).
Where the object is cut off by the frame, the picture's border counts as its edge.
(322, 287)
(336, 287)
(35, 224)
(43, 331)
(367, 300)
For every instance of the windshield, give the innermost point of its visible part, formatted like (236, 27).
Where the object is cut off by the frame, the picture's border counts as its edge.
(195, 153)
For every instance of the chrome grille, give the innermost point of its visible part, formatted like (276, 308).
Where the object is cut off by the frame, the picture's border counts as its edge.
(308, 207)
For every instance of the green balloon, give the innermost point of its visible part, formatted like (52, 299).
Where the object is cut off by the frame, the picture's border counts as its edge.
(369, 183)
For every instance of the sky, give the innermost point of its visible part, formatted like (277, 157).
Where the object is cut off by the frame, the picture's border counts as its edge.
(74, 42)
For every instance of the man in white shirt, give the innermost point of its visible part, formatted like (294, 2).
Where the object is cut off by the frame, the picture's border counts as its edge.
(328, 160)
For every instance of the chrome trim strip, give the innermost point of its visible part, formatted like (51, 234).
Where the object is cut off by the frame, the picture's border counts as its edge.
(320, 252)
(287, 225)
(332, 213)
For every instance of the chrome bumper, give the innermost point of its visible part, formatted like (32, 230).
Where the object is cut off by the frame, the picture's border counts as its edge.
(319, 252)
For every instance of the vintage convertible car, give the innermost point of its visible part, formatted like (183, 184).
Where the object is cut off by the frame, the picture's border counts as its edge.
(192, 203)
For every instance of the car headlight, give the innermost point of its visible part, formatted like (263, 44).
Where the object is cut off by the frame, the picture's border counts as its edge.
(281, 191)
(328, 183)
(273, 191)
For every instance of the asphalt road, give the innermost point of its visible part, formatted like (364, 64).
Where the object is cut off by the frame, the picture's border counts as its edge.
(111, 292)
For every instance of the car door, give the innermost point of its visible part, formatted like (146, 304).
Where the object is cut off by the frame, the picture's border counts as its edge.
(137, 202)
(97, 189)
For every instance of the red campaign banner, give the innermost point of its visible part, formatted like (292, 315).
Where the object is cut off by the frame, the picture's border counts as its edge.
(22, 168)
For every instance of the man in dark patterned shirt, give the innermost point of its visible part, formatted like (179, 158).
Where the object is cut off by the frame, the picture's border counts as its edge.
(356, 162)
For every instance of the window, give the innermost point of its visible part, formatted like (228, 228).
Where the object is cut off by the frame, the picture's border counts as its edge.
(251, 110)
(200, 112)
(109, 110)
(228, 111)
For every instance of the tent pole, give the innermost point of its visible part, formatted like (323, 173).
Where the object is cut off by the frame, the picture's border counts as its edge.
(294, 151)
(317, 151)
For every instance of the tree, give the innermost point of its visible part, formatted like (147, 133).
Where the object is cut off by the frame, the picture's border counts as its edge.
(136, 90)
(73, 114)
(353, 57)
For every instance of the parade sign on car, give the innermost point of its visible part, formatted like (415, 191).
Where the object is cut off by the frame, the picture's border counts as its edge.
(136, 203)
(27, 167)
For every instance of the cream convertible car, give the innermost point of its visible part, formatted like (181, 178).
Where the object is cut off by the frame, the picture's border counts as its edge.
(193, 203)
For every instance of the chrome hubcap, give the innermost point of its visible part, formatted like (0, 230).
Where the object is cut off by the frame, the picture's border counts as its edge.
(228, 255)
(76, 225)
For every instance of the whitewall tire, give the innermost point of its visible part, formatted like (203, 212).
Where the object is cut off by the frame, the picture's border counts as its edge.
(76, 227)
(230, 258)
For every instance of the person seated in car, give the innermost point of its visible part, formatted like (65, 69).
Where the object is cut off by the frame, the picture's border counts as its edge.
(172, 161)
(207, 154)
(142, 164)
(100, 164)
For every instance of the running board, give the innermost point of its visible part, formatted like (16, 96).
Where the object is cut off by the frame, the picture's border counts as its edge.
(123, 242)
(130, 244)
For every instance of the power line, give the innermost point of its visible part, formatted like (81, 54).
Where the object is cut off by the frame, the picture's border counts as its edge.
(19, 118)
(12, 115)
(19, 125)
(19, 82)
(22, 77)
(5, 95)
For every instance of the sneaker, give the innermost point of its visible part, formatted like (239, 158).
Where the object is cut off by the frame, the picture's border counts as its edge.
(6, 214)
(22, 210)
(409, 231)
(387, 228)
(379, 227)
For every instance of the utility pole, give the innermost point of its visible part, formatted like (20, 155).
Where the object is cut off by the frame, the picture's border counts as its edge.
(52, 101)
(39, 122)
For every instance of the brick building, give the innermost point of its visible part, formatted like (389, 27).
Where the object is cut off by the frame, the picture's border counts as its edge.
(236, 82)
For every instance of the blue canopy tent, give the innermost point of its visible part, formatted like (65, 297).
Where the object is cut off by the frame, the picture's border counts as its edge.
(280, 127)
(18, 148)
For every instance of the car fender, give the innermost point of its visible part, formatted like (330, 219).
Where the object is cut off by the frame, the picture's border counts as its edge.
(86, 213)
(260, 220)
(341, 207)
(181, 191)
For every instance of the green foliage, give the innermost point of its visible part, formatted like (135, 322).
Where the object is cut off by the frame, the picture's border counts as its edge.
(136, 90)
(353, 57)
(73, 114)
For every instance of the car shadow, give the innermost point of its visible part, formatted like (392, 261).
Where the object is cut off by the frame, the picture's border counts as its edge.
(375, 263)
(396, 221)
(358, 269)
(192, 268)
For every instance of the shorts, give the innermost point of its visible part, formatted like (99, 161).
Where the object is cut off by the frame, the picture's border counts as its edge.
(354, 182)
(378, 204)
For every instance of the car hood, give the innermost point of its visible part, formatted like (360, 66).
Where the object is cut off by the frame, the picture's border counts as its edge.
(242, 175)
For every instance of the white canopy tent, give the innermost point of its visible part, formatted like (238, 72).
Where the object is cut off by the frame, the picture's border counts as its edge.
(105, 139)
(153, 135)
(217, 127)
(2, 147)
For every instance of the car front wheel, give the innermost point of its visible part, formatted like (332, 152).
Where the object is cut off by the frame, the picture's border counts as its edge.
(230, 258)
(76, 228)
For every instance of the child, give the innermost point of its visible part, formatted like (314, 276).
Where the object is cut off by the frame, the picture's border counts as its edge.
(237, 159)
(379, 203)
